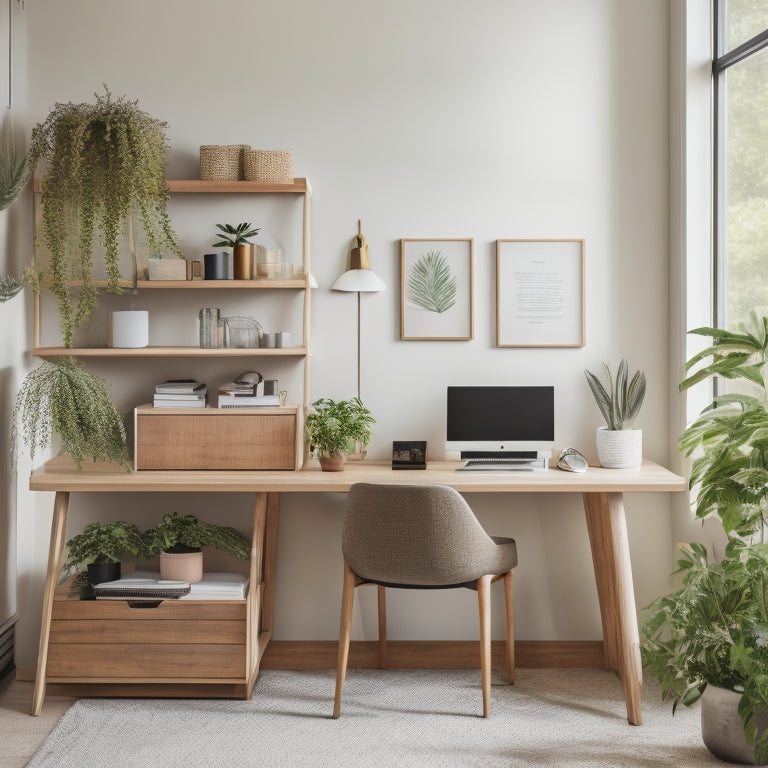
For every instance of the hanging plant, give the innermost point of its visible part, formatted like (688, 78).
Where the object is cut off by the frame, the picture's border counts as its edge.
(13, 177)
(104, 162)
(62, 396)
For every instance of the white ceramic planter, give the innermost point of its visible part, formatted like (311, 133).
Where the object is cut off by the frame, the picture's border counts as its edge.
(620, 448)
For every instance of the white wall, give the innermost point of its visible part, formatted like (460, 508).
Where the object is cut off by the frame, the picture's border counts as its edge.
(499, 119)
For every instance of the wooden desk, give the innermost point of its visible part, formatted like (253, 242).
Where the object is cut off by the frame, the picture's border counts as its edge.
(602, 492)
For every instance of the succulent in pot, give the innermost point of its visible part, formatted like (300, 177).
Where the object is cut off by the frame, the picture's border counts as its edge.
(619, 399)
(236, 238)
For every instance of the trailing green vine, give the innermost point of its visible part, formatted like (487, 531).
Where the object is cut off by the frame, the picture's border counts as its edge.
(104, 162)
(65, 398)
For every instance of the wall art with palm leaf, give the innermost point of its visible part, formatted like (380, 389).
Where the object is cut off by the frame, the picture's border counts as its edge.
(437, 286)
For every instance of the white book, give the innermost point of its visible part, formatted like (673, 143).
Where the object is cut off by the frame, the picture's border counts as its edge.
(248, 401)
(213, 586)
(179, 403)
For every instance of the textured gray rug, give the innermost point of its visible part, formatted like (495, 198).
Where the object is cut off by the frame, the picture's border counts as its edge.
(389, 718)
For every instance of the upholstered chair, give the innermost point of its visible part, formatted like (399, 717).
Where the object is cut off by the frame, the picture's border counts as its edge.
(421, 537)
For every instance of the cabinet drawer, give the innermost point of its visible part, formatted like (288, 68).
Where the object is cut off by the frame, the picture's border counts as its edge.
(91, 661)
(92, 639)
(215, 439)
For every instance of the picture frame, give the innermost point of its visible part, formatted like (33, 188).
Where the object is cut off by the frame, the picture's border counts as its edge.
(409, 454)
(437, 289)
(540, 293)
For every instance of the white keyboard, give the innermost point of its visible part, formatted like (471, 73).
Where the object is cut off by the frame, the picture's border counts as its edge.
(498, 465)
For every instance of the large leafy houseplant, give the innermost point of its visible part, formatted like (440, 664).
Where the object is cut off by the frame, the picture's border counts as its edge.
(104, 162)
(62, 396)
(713, 630)
(332, 428)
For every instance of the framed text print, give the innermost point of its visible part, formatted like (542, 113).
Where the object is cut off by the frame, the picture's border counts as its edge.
(540, 293)
(436, 284)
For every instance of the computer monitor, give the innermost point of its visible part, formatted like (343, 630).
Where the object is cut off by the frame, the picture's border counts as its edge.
(502, 420)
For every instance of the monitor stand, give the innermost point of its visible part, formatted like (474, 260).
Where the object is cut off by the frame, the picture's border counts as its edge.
(502, 461)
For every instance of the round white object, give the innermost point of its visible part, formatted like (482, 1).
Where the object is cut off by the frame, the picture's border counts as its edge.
(130, 329)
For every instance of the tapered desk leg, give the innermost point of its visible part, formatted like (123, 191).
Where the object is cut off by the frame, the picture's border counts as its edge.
(607, 526)
(261, 589)
(58, 537)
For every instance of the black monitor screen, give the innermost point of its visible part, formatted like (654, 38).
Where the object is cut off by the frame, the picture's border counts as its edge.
(501, 413)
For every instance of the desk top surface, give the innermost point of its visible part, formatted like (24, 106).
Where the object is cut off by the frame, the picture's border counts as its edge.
(59, 474)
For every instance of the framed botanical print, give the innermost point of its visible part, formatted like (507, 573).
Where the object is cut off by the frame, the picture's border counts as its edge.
(437, 289)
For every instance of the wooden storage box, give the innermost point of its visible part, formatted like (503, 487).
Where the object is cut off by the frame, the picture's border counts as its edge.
(210, 438)
(108, 640)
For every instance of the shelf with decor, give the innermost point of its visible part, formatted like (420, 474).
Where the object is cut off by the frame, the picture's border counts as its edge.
(301, 283)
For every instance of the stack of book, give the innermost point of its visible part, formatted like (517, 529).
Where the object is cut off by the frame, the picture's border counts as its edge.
(241, 394)
(180, 393)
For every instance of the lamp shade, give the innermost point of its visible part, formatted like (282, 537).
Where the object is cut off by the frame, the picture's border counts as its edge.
(362, 280)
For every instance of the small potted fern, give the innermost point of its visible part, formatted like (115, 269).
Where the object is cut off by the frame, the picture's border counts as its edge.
(619, 399)
(179, 540)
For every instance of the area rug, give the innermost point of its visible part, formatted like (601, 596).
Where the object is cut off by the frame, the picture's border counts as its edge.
(408, 718)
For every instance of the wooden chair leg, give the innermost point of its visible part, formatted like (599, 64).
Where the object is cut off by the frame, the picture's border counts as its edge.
(509, 600)
(382, 628)
(347, 603)
(484, 605)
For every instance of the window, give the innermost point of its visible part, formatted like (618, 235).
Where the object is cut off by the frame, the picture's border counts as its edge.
(741, 160)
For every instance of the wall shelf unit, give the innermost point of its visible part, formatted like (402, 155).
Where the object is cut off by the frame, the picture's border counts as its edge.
(302, 284)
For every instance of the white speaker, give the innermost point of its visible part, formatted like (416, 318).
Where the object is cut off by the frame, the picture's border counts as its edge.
(130, 329)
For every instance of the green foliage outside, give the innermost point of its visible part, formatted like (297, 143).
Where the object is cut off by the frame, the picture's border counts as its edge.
(333, 427)
(187, 532)
(714, 628)
(747, 169)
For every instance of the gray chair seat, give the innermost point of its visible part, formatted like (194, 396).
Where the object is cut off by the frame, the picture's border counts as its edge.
(421, 537)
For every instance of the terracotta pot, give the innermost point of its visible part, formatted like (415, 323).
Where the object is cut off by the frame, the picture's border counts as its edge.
(722, 729)
(181, 566)
(333, 463)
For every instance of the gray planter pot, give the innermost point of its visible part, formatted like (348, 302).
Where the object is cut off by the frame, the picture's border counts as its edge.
(722, 729)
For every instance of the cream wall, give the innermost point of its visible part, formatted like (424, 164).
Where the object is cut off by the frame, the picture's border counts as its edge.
(498, 119)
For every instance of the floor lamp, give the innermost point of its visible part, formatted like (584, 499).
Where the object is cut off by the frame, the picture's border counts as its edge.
(359, 278)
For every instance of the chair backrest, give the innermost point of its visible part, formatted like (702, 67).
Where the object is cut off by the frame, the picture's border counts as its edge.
(414, 535)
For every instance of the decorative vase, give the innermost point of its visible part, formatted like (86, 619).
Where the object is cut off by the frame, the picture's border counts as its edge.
(332, 462)
(620, 448)
(242, 261)
(181, 566)
(722, 729)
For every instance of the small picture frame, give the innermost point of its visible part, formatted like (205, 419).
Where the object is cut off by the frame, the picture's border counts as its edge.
(409, 454)
(436, 289)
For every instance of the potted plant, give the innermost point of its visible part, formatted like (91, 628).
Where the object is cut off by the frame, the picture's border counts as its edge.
(62, 396)
(101, 548)
(104, 162)
(332, 428)
(709, 638)
(619, 446)
(242, 249)
(179, 540)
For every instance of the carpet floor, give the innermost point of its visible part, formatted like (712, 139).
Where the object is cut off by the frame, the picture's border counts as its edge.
(391, 718)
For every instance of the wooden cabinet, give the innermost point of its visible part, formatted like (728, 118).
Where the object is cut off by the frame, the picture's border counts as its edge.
(209, 438)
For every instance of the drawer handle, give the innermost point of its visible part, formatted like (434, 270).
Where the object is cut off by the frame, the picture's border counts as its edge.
(143, 603)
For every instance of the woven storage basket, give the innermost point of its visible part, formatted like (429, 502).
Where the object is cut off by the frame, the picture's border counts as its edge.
(275, 165)
(221, 162)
